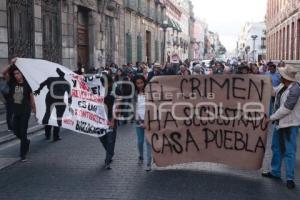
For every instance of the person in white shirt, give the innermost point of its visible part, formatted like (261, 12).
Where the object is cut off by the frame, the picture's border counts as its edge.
(140, 98)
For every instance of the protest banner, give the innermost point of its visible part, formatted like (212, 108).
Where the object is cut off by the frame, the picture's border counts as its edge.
(64, 98)
(219, 119)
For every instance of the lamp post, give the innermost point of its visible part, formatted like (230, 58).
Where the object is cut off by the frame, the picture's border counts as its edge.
(164, 27)
(254, 38)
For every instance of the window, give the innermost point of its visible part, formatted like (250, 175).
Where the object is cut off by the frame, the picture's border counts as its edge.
(51, 31)
(156, 50)
(139, 48)
(129, 48)
(287, 43)
(20, 28)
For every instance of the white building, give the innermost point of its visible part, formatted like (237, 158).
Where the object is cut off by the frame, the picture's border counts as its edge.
(185, 35)
(198, 40)
(252, 42)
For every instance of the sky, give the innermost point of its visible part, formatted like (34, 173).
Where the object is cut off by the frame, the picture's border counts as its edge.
(227, 17)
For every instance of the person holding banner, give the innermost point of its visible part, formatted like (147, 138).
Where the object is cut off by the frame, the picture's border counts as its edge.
(140, 98)
(109, 139)
(23, 103)
(287, 120)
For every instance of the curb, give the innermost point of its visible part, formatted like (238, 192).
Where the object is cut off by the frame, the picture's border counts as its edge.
(9, 137)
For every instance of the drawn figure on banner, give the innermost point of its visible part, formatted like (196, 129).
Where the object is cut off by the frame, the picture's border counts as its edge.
(57, 87)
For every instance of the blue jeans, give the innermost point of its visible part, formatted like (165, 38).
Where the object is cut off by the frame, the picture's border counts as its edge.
(140, 133)
(289, 155)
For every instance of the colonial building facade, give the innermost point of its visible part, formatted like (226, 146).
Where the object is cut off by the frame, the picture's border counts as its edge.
(180, 30)
(283, 30)
(63, 31)
(141, 36)
(251, 45)
(94, 33)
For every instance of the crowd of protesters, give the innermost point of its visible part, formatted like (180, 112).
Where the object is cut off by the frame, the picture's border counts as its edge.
(284, 105)
(188, 68)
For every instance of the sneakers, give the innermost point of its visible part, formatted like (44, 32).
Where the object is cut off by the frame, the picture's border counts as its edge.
(27, 146)
(47, 136)
(148, 168)
(107, 166)
(56, 139)
(23, 159)
(290, 184)
(270, 175)
(141, 160)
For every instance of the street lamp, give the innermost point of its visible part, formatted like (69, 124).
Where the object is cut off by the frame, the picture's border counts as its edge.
(254, 38)
(247, 49)
(164, 27)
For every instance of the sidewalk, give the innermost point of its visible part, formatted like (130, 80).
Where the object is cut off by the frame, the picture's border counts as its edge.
(74, 169)
(6, 135)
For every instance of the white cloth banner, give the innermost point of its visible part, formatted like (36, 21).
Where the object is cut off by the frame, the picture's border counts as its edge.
(64, 99)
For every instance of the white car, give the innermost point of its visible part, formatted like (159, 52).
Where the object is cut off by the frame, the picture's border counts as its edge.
(206, 62)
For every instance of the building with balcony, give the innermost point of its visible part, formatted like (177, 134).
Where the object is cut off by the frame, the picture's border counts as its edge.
(95, 33)
(69, 32)
(92, 33)
(283, 30)
(251, 45)
(198, 39)
(180, 31)
(141, 35)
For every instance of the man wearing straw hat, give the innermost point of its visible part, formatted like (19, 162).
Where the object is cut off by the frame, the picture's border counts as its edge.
(287, 120)
(156, 71)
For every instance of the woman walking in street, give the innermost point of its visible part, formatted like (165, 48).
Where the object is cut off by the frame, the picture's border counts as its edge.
(140, 83)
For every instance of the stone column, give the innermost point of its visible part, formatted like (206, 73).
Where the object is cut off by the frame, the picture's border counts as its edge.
(121, 39)
(3, 34)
